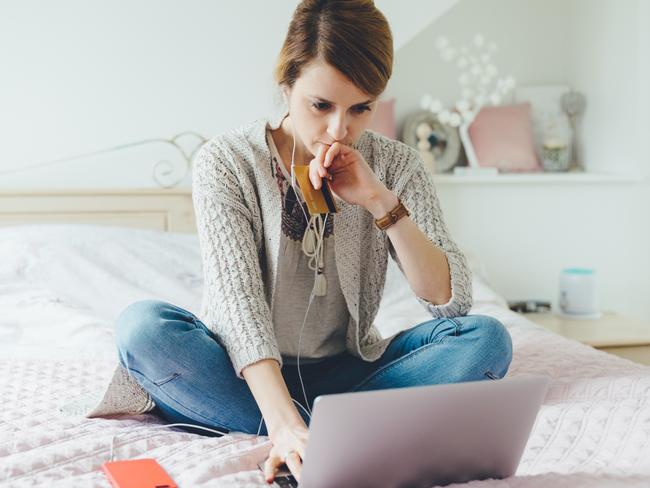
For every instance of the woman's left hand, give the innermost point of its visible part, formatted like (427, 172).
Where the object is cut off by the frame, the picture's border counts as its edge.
(352, 180)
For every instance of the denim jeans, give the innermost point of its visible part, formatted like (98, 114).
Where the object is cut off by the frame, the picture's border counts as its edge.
(187, 371)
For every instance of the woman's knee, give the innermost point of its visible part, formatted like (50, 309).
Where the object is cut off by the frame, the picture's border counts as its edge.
(494, 342)
(138, 323)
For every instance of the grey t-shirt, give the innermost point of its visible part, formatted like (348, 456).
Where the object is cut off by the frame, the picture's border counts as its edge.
(326, 325)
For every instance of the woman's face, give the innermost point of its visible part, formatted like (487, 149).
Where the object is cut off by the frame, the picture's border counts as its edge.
(326, 107)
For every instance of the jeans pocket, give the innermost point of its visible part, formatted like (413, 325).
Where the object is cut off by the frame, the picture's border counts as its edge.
(166, 379)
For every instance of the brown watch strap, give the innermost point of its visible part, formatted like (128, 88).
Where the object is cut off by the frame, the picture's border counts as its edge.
(393, 216)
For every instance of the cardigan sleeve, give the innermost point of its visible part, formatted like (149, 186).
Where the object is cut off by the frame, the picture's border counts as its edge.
(234, 305)
(414, 186)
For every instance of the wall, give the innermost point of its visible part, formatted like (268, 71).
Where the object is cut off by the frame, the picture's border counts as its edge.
(601, 59)
(526, 233)
(80, 76)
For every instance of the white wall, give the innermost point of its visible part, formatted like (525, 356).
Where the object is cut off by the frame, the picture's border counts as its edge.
(526, 233)
(602, 59)
(79, 76)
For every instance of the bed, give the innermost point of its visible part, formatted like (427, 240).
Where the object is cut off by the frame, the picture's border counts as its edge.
(71, 261)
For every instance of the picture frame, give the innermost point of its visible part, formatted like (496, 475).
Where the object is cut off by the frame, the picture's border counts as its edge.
(444, 149)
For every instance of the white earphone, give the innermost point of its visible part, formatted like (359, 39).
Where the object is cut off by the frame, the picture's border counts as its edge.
(312, 245)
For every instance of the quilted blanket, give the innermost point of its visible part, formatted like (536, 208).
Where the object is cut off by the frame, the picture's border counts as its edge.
(63, 286)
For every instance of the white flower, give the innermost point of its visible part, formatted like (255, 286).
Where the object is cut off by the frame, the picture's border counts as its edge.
(443, 116)
(476, 70)
(495, 98)
(501, 86)
(479, 40)
(425, 101)
(510, 82)
(467, 115)
(454, 119)
(462, 105)
(479, 99)
(435, 106)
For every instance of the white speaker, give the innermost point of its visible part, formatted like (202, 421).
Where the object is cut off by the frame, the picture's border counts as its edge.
(578, 293)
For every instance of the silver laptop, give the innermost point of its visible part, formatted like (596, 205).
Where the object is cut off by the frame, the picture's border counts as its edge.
(420, 436)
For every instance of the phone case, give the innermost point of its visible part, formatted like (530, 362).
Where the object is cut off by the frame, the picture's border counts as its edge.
(137, 473)
(318, 201)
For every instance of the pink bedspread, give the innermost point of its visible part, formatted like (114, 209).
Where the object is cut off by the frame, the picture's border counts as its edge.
(593, 429)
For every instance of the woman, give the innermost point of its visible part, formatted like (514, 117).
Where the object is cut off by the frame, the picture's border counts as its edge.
(279, 288)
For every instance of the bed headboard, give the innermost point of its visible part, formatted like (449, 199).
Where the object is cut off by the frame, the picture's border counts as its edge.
(167, 210)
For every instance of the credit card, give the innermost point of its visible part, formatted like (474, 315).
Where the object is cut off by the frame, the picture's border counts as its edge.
(318, 201)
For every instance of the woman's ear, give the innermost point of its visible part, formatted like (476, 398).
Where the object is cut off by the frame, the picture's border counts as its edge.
(285, 94)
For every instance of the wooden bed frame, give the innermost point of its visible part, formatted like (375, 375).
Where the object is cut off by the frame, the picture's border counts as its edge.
(167, 210)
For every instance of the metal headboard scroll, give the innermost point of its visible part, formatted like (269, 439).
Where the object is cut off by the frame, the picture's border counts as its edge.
(161, 169)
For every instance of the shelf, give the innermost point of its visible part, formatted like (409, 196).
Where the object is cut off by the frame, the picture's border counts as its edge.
(534, 178)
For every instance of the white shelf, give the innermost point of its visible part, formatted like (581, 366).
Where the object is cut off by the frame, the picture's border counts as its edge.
(534, 178)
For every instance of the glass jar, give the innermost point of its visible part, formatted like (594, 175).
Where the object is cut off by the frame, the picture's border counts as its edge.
(556, 145)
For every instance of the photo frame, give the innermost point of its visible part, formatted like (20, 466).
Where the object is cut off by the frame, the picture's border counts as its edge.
(444, 147)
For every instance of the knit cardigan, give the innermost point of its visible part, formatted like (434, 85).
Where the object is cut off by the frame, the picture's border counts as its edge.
(238, 216)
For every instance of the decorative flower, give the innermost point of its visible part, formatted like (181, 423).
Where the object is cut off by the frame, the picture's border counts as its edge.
(478, 81)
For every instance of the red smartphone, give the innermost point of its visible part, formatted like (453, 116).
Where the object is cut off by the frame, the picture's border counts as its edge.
(137, 473)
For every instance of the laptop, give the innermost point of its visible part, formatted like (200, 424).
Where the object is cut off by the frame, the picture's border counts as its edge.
(420, 436)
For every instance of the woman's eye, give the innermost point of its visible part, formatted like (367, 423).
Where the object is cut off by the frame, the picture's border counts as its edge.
(326, 106)
(321, 105)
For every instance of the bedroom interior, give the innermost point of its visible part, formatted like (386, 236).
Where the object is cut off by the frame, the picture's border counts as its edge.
(99, 91)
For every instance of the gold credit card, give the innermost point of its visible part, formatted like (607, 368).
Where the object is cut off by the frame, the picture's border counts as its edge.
(318, 201)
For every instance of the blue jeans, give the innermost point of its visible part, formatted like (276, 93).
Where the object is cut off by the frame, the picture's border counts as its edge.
(187, 371)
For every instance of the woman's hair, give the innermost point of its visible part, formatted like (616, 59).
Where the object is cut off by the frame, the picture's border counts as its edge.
(351, 35)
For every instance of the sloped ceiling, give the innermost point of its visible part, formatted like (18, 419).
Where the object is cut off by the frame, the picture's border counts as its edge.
(408, 18)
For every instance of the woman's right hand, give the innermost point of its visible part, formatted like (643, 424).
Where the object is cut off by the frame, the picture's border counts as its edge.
(286, 438)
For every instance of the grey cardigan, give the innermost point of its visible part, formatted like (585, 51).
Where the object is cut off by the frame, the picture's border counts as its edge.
(238, 215)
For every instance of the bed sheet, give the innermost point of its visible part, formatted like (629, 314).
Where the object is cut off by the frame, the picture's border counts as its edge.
(63, 285)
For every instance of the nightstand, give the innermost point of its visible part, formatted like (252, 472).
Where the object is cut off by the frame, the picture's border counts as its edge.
(613, 333)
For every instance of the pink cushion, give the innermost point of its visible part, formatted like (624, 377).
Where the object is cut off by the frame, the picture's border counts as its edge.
(502, 137)
(384, 119)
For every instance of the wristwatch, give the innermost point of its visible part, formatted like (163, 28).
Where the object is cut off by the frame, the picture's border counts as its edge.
(393, 216)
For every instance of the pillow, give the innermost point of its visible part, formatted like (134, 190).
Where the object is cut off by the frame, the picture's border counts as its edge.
(384, 118)
(502, 137)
